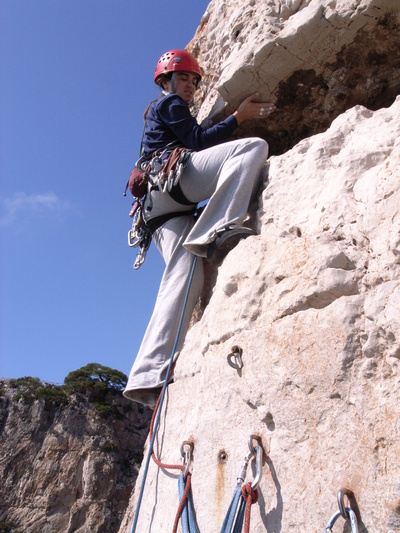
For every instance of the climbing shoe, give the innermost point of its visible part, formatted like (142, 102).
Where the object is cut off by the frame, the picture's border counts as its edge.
(225, 242)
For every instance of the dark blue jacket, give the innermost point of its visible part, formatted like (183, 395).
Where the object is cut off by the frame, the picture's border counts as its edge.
(169, 119)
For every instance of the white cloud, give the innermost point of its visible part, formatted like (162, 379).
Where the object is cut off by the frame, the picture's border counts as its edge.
(31, 204)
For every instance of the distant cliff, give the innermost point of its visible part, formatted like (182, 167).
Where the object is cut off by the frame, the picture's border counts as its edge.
(68, 459)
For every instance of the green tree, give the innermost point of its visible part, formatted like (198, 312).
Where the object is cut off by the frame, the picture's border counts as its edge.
(94, 377)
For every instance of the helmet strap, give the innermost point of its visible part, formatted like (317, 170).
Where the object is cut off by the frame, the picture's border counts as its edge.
(173, 82)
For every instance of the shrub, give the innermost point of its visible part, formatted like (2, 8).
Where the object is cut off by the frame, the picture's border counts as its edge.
(52, 395)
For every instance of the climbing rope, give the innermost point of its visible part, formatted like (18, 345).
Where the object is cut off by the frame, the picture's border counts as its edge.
(250, 496)
(244, 496)
(156, 421)
(186, 508)
(346, 512)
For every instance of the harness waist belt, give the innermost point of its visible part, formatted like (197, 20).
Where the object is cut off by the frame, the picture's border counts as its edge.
(154, 223)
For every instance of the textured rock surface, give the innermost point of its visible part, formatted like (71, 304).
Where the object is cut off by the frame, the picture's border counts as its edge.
(65, 468)
(313, 58)
(314, 302)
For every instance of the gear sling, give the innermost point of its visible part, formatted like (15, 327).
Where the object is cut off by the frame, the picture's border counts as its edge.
(164, 177)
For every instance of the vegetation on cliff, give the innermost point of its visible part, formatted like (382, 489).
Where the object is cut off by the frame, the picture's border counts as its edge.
(96, 382)
(69, 453)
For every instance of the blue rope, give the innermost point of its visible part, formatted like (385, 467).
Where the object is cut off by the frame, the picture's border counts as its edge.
(240, 517)
(188, 517)
(157, 420)
(235, 511)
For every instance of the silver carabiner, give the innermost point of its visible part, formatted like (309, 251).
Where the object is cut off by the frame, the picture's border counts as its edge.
(242, 473)
(133, 239)
(178, 173)
(345, 512)
(352, 517)
(259, 458)
(156, 164)
(332, 521)
(187, 456)
(170, 181)
(256, 451)
(163, 183)
(141, 256)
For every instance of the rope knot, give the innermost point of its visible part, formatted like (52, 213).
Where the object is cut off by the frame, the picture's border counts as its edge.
(249, 493)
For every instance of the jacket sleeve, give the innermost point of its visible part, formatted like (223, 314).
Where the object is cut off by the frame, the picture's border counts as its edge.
(175, 114)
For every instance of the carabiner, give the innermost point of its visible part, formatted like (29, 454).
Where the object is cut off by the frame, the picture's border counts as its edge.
(256, 451)
(170, 181)
(140, 258)
(242, 473)
(338, 514)
(259, 458)
(332, 521)
(345, 512)
(187, 456)
(133, 239)
(163, 184)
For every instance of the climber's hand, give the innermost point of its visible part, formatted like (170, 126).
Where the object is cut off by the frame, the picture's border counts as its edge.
(250, 108)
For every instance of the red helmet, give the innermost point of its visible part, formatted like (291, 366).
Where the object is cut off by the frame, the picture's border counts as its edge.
(176, 61)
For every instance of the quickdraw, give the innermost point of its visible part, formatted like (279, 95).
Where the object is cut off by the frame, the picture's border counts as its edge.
(139, 235)
(163, 176)
(186, 511)
(244, 496)
(344, 511)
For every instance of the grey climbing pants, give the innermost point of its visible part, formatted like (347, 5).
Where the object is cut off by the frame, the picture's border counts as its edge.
(227, 175)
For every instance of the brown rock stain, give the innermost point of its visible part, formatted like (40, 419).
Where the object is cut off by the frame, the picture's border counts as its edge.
(219, 491)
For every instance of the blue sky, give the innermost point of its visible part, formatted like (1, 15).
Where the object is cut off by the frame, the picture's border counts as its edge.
(76, 76)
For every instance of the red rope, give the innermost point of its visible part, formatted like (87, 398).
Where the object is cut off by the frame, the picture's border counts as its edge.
(153, 455)
(251, 496)
(170, 467)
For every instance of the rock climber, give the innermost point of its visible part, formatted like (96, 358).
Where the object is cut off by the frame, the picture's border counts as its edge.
(226, 173)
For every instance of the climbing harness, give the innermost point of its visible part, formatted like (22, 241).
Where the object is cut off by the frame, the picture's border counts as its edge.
(157, 411)
(346, 512)
(163, 175)
(244, 495)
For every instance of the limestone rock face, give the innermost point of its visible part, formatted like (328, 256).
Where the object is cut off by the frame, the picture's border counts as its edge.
(65, 466)
(314, 303)
(313, 58)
